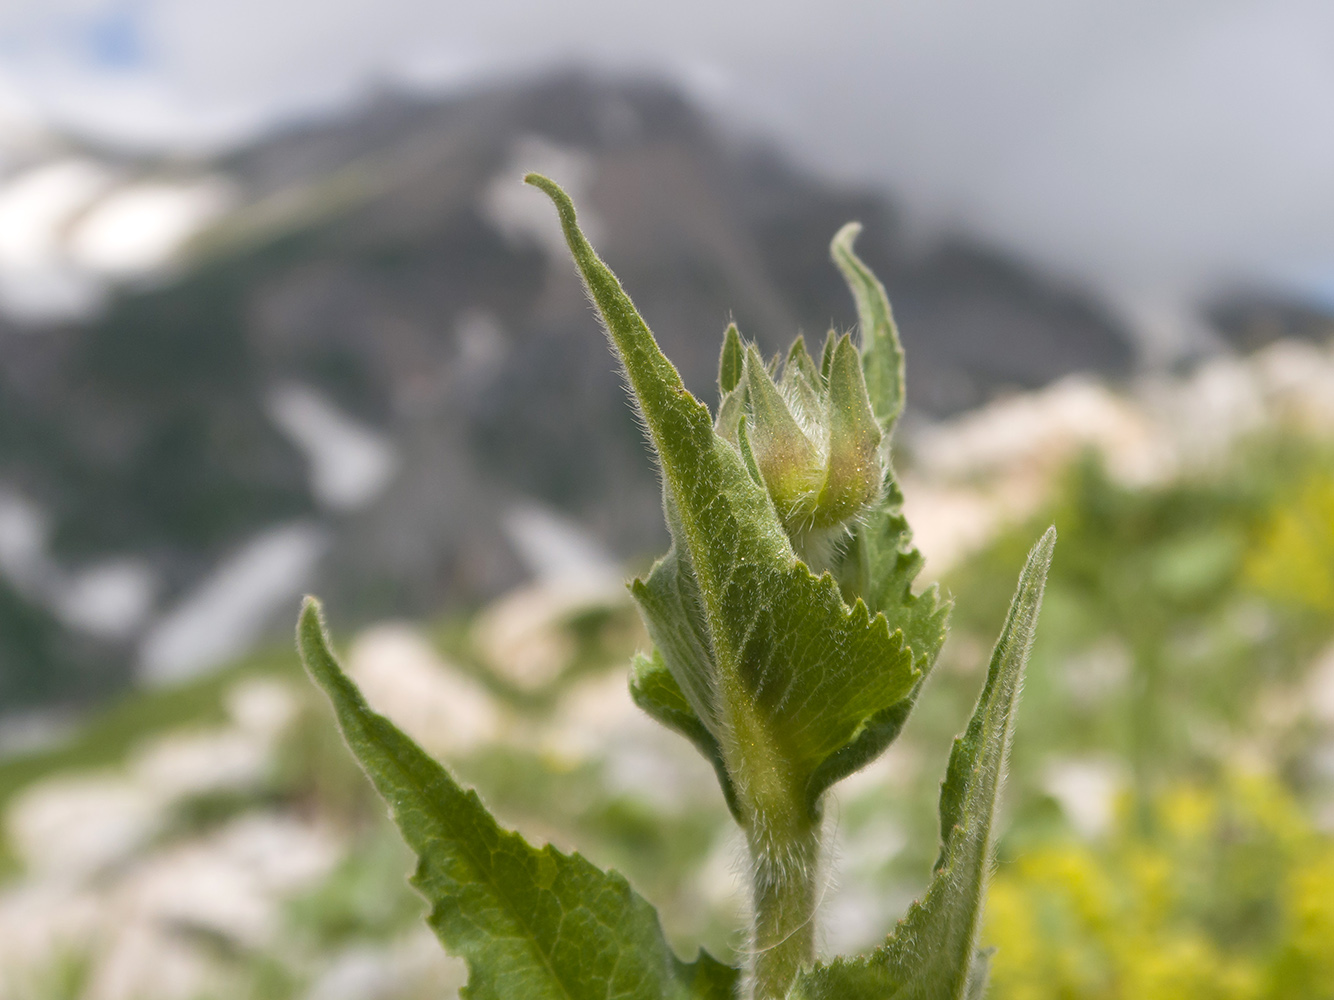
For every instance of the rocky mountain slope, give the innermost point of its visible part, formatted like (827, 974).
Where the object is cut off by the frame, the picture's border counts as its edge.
(373, 373)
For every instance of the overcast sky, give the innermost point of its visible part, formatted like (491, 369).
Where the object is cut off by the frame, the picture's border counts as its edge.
(1154, 145)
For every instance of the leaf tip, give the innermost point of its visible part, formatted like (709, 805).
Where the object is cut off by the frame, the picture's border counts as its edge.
(732, 361)
(844, 238)
(564, 206)
(1040, 556)
(315, 647)
(310, 620)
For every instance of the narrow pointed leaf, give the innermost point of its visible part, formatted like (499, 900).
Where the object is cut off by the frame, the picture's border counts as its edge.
(802, 385)
(854, 475)
(532, 923)
(827, 354)
(729, 364)
(882, 354)
(731, 409)
(748, 456)
(723, 513)
(932, 954)
(800, 362)
(786, 456)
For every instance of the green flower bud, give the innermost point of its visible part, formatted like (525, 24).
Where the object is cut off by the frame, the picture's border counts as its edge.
(810, 436)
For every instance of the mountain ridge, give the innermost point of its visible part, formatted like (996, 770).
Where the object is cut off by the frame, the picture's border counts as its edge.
(385, 264)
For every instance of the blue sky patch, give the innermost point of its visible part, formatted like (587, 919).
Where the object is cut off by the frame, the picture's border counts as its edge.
(113, 39)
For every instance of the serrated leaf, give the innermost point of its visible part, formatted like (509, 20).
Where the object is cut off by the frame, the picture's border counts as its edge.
(932, 954)
(781, 640)
(882, 354)
(879, 565)
(670, 601)
(532, 923)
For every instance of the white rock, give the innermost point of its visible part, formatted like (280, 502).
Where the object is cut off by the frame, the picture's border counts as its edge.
(415, 964)
(184, 764)
(262, 706)
(230, 882)
(523, 635)
(220, 618)
(70, 828)
(143, 961)
(435, 703)
(350, 464)
(42, 920)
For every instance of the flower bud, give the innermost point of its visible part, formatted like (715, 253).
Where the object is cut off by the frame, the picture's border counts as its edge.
(812, 434)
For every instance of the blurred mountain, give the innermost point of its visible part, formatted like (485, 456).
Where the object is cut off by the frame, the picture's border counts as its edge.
(354, 357)
(1249, 319)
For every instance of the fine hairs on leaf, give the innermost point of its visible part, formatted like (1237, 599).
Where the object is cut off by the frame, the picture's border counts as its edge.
(789, 647)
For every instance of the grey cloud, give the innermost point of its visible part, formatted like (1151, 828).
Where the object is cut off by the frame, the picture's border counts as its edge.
(1144, 143)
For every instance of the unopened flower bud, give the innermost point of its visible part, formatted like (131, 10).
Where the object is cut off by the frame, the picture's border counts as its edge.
(812, 434)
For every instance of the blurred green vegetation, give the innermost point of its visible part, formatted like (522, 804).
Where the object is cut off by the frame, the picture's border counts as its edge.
(1176, 616)
(1179, 631)
(1180, 626)
(1231, 899)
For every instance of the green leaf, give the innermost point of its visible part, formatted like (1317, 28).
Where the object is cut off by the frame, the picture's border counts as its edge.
(532, 923)
(882, 354)
(978, 974)
(827, 355)
(879, 565)
(802, 384)
(790, 665)
(933, 954)
(655, 690)
(787, 457)
(729, 364)
(853, 476)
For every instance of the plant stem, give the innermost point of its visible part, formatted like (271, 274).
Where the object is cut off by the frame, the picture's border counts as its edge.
(783, 837)
(785, 892)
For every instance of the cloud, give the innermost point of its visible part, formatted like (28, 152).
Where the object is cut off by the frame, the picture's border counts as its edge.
(1142, 143)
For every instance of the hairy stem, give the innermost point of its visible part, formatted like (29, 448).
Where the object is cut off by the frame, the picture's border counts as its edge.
(785, 893)
(783, 837)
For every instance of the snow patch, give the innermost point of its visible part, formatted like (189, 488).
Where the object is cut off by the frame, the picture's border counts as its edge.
(405, 679)
(142, 227)
(225, 614)
(110, 599)
(555, 549)
(37, 281)
(523, 214)
(350, 464)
